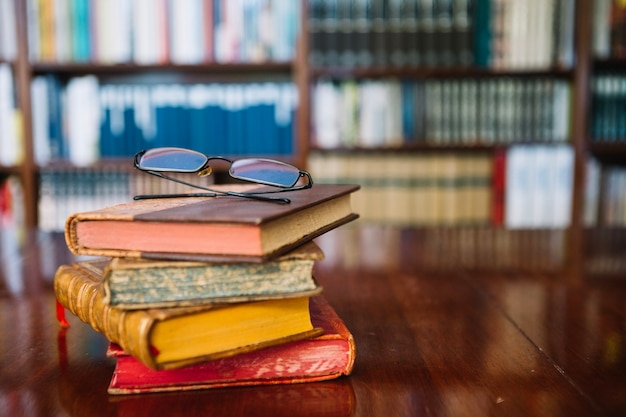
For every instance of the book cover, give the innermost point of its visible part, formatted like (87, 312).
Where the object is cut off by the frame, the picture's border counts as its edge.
(177, 337)
(210, 228)
(325, 357)
(132, 283)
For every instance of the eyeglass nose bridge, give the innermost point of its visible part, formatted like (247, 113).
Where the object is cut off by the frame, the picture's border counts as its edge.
(207, 169)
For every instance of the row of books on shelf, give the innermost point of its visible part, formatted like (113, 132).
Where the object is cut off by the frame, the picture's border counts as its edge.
(233, 311)
(484, 33)
(8, 33)
(606, 187)
(609, 29)
(608, 107)
(71, 190)
(163, 31)
(86, 120)
(526, 186)
(373, 113)
(11, 149)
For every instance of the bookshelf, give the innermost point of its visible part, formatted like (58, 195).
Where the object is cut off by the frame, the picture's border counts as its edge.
(99, 54)
(349, 54)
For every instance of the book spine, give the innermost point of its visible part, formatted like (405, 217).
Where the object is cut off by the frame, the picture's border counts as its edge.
(315, 14)
(330, 31)
(10, 137)
(84, 298)
(380, 22)
(8, 33)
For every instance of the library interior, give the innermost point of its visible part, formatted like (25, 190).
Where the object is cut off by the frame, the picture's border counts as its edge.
(458, 208)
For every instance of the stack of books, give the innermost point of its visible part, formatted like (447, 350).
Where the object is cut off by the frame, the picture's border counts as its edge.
(209, 292)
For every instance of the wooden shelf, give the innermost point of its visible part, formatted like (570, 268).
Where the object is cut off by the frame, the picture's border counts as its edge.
(609, 64)
(612, 153)
(430, 147)
(76, 68)
(437, 73)
(10, 170)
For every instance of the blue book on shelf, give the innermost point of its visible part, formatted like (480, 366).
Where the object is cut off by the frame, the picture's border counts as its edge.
(81, 36)
(408, 109)
(482, 33)
(58, 144)
(106, 136)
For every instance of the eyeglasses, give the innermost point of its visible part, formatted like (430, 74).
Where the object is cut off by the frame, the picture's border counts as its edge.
(159, 161)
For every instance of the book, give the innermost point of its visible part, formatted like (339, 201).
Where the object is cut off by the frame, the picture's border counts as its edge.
(210, 228)
(131, 283)
(176, 337)
(324, 357)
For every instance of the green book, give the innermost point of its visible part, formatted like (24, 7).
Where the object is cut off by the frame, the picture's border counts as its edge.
(133, 283)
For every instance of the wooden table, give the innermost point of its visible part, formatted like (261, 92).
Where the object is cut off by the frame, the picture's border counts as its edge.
(447, 323)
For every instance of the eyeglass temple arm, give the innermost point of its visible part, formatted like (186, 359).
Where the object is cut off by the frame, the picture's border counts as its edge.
(212, 192)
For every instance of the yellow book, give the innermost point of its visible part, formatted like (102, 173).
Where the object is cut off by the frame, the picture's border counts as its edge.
(176, 337)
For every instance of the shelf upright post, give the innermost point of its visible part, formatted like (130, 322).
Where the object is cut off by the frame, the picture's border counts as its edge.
(28, 170)
(580, 108)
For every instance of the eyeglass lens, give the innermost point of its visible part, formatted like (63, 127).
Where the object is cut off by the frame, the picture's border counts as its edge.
(172, 159)
(265, 171)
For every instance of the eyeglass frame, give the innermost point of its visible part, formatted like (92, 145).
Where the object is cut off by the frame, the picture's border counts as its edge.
(213, 192)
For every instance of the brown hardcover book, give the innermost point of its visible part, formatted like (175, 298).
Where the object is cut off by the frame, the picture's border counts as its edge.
(321, 358)
(210, 228)
(176, 337)
(132, 283)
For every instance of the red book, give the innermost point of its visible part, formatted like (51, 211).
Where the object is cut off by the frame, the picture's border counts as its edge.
(322, 358)
(499, 184)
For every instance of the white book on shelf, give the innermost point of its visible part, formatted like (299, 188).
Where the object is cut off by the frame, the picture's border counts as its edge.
(145, 118)
(62, 31)
(285, 104)
(10, 141)
(610, 198)
(542, 185)
(349, 108)
(150, 31)
(143, 22)
(40, 116)
(601, 35)
(32, 16)
(326, 115)
(562, 110)
(120, 21)
(186, 20)
(563, 165)
(372, 114)
(285, 28)
(8, 34)
(518, 195)
(541, 28)
(83, 121)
